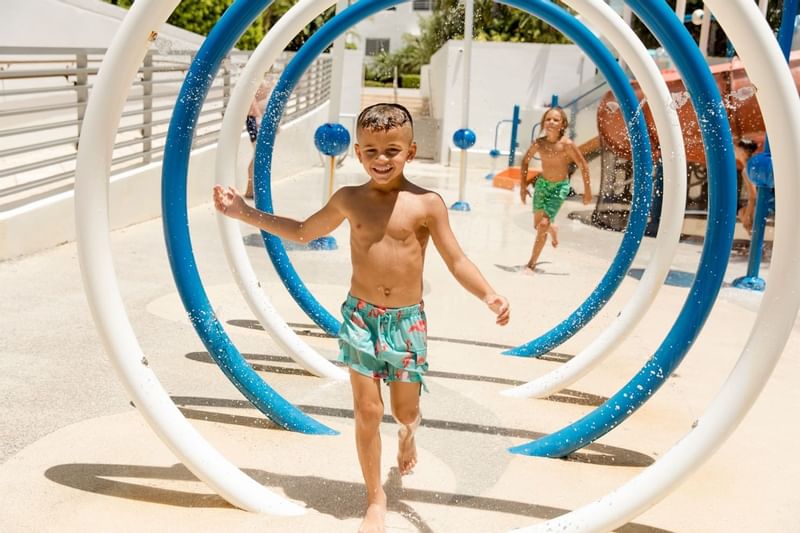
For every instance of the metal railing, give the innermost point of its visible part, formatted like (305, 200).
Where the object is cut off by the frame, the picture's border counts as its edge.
(43, 96)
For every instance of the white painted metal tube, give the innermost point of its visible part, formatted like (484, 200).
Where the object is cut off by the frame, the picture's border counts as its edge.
(680, 9)
(289, 25)
(91, 212)
(777, 97)
(705, 31)
(619, 34)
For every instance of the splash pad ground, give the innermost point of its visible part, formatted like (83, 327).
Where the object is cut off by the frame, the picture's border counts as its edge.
(77, 457)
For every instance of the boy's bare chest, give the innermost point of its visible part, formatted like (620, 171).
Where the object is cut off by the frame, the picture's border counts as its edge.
(396, 223)
(553, 151)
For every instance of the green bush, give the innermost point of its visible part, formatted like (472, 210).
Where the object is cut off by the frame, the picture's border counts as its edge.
(374, 83)
(409, 81)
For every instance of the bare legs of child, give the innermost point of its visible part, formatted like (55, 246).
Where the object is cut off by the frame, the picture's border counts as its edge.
(249, 192)
(368, 408)
(544, 227)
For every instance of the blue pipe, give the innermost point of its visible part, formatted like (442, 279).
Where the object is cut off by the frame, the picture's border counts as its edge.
(512, 151)
(717, 141)
(176, 223)
(555, 16)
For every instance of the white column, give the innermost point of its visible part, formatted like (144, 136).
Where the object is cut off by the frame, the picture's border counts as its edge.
(335, 102)
(705, 28)
(680, 9)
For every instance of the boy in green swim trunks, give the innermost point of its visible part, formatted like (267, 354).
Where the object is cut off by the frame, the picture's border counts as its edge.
(383, 335)
(552, 186)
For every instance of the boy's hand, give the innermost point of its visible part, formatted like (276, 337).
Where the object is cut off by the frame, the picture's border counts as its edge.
(587, 197)
(228, 201)
(499, 305)
(523, 192)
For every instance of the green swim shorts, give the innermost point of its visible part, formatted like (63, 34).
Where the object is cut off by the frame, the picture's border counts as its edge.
(549, 195)
(388, 343)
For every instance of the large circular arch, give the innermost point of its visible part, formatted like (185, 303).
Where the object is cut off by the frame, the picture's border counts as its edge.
(259, 62)
(782, 115)
(629, 106)
(93, 166)
(670, 137)
(175, 168)
(717, 141)
(764, 62)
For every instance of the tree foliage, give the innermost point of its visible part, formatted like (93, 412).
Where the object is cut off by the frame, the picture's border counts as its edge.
(718, 41)
(492, 22)
(199, 16)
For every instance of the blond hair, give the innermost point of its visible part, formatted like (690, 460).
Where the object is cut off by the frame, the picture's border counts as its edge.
(564, 121)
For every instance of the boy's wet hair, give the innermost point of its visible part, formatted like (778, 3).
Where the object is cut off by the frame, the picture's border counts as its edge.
(384, 117)
(564, 120)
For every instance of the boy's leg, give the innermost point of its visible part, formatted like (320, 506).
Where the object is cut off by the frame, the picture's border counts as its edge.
(553, 234)
(249, 192)
(405, 409)
(368, 410)
(542, 226)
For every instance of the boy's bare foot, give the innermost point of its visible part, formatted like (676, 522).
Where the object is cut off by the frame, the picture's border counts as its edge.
(406, 447)
(374, 519)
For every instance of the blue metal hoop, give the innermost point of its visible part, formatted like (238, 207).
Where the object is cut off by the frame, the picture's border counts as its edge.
(718, 144)
(176, 223)
(555, 16)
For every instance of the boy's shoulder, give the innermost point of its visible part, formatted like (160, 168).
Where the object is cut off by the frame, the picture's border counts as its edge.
(421, 193)
(566, 141)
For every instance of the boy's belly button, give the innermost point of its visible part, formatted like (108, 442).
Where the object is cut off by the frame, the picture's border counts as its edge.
(386, 290)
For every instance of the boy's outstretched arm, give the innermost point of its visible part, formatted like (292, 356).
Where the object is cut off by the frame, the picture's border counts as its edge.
(459, 265)
(523, 171)
(230, 203)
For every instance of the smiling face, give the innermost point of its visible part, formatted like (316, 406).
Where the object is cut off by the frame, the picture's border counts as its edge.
(554, 123)
(384, 153)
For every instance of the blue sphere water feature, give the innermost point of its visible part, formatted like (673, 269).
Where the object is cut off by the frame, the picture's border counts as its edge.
(464, 138)
(332, 139)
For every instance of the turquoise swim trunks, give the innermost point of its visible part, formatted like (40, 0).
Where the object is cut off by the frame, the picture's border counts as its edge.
(388, 343)
(549, 195)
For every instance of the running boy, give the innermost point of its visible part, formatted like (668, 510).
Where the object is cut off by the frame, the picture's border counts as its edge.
(383, 335)
(552, 186)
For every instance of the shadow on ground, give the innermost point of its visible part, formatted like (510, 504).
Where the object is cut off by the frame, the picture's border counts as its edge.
(339, 499)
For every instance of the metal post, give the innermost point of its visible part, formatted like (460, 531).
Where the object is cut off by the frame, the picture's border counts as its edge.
(462, 204)
(512, 151)
(705, 31)
(147, 108)
(82, 87)
(680, 9)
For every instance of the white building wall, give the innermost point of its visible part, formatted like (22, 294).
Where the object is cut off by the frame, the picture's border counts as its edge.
(390, 25)
(73, 23)
(496, 86)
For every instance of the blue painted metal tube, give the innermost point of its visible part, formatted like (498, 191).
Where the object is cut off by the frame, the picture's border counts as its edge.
(786, 31)
(642, 186)
(658, 201)
(512, 152)
(716, 250)
(759, 228)
(555, 16)
(176, 223)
